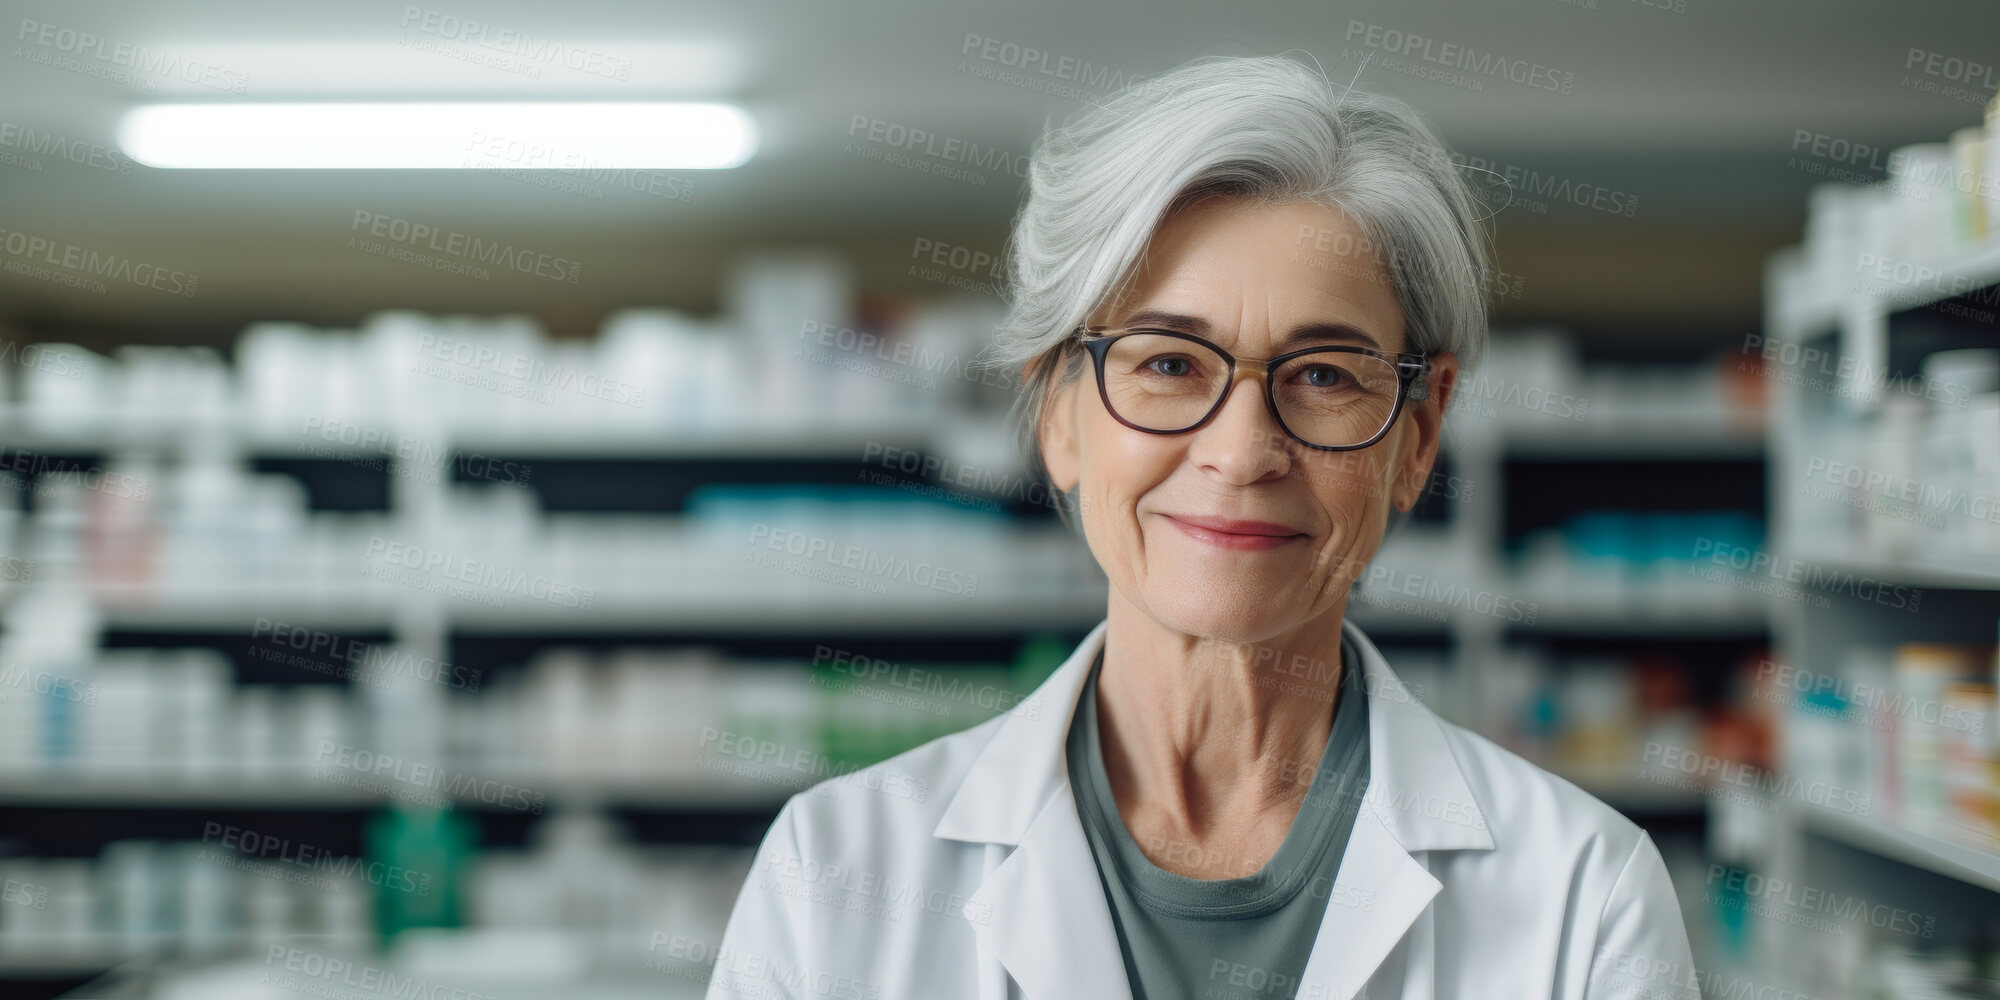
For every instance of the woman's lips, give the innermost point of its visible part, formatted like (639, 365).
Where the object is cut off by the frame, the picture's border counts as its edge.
(1240, 535)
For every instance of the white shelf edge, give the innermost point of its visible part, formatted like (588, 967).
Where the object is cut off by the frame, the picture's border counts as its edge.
(1930, 571)
(1968, 267)
(287, 792)
(1639, 441)
(1965, 862)
(669, 613)
(804, 441)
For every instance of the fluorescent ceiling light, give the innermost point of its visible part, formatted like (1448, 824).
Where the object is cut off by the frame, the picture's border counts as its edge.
(620, 135)
(489, 67)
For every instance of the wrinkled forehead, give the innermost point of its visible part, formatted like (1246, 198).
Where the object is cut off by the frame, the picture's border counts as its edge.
(1261, 277)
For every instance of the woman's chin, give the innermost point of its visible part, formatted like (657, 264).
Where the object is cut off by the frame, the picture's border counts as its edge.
(1237, 611)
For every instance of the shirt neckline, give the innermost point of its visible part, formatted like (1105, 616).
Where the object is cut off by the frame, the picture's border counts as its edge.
(1288, 869)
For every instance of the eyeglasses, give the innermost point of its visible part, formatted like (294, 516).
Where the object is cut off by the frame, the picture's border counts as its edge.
(1328, 398)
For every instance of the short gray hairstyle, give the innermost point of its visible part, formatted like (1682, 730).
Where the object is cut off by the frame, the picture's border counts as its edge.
(1263, 127)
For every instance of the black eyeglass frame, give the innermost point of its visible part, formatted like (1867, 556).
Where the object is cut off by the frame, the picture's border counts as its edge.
(1409, 382)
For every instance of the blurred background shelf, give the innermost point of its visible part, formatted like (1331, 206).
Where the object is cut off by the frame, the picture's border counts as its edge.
(1967, 863)
(1533, 596)
(1885, 574)
(1941, 572)
(226, 794)
(1649, 614)
(1618, 787)
(1636, 441)
(1933, 271)
(748, 611)
(62, 963)
(169, 434)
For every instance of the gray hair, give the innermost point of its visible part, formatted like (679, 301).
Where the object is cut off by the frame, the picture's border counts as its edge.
(1262, 127)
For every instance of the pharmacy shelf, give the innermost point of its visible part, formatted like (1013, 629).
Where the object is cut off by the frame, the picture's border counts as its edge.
(1971, 268)
(171, 434)
(1790, 313)
(56, 962)
(761, 613)
(1966, 269)
(1642, 619)
(814, 442)
(1622, 440)
(1617, 788)
(1489, 453)
(91, 433)
(109, 963)
(748, 612)
(1636, 798)
(1941, 573)
(1964, 862)
(1850, 318)
(126, 608)
(1379, 622)
(51, 790)
(300, 793)
(778, 607)
(230, 972)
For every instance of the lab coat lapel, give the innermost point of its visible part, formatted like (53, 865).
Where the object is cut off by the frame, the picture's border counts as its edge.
(1417, 800)
(1041, 911)
(1379, 893)
(1051, 926)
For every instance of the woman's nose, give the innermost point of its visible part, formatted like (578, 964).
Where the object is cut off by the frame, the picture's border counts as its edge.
(1243, 440)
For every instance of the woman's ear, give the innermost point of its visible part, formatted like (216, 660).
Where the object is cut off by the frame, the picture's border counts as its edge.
(1056, 432)
(1427, 419)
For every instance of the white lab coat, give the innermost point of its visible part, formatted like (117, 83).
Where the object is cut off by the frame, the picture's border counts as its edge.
(959, 869)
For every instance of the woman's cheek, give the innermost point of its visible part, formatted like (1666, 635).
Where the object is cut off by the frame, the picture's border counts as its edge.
(1334, 563)
(1111, 537)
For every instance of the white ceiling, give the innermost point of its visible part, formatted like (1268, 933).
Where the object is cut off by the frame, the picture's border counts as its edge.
(1694, 112)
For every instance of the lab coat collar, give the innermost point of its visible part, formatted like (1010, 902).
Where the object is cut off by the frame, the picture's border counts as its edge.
(1415, 785)
(1050, 925)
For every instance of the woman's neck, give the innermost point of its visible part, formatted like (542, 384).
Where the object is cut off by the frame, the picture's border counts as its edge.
(1212, 740)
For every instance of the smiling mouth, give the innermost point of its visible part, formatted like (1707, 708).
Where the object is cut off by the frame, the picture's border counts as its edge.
(1247, 537)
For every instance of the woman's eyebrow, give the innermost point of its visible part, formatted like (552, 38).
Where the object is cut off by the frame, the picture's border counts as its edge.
(1346, 333)
(1168, 320)
(1298, 337)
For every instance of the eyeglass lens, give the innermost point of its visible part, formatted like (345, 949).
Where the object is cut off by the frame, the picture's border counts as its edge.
(1327, 398)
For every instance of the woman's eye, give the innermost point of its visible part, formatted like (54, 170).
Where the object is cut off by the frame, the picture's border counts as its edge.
(1173, 364)
(1326, 377)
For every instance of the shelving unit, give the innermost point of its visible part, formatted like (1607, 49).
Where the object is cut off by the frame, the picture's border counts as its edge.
(1867, 336)
(699, 823)
(1458, 541)
(1964, 863)
(1635, 615)
(226, 794)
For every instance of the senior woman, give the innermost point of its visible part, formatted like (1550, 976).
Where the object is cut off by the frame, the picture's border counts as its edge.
(1241, 298)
